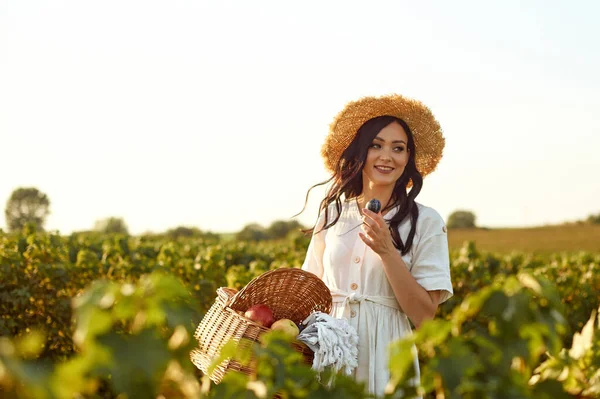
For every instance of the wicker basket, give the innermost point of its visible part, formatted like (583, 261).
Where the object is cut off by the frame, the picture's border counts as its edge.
(290, 293)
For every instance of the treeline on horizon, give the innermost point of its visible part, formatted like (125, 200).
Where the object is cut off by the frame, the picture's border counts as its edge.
(28, 205)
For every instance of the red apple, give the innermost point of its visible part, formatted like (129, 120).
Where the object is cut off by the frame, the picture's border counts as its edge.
(288, 327)
(261, 314)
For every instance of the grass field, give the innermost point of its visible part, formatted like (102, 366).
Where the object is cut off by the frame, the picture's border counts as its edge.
(572, 238)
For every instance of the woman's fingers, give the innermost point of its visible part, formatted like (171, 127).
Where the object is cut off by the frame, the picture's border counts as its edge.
(368, 228)
(372, 217)
(376, 233)
(366, 239)
(371, 235)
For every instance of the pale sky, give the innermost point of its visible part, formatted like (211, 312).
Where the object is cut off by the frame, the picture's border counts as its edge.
(212, 114)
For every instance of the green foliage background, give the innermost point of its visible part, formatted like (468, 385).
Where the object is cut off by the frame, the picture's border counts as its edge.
(103, 315)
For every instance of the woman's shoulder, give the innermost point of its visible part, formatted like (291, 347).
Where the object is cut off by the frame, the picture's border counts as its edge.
(428, 212)
(430, 220)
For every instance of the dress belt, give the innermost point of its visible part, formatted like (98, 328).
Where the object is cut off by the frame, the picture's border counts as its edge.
(345, 298)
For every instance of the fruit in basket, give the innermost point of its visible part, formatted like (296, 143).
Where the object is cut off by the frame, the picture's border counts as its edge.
(288, 327)
(262, 314)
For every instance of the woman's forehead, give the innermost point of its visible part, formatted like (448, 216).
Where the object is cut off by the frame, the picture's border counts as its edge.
(393, 132)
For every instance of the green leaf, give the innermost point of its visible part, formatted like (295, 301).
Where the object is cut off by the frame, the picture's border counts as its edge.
(549, 389)
(139, 362)
(91, 322)
(228, 351)
(31, 345)
(582, 342)
(459, 364)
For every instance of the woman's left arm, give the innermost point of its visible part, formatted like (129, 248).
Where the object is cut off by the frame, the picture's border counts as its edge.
(418, 303)
(415, 301)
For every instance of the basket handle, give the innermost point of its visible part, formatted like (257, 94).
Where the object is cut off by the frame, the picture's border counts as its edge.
(225, 294)
(232, 299)
(250, 285)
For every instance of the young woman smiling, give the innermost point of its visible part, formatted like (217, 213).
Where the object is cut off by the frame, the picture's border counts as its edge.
(387, 269)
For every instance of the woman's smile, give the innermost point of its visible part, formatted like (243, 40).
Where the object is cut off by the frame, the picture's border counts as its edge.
(386, 170)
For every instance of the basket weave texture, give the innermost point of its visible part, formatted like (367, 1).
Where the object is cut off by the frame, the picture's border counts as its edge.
(290, 293)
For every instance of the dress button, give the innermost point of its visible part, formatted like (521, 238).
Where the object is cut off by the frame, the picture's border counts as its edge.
(357, 259)
(354, 286)
(353, 314)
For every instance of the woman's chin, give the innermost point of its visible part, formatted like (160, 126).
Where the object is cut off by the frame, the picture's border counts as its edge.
(380, 180)
(382, 183)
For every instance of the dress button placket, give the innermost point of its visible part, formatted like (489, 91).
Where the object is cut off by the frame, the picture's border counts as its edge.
(354, 271)
(357, 259)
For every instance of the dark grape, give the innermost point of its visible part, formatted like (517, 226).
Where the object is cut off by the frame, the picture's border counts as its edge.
(374, 205)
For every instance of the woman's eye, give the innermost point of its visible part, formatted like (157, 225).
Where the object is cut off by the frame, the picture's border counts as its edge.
(374, 145)
(399, 149)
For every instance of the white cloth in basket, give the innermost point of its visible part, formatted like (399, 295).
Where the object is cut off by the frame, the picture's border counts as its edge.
(334, 342)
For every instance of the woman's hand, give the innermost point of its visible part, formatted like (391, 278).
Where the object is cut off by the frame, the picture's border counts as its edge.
(376, 233)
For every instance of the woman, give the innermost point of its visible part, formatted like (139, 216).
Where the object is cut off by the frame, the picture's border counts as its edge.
(390, 268)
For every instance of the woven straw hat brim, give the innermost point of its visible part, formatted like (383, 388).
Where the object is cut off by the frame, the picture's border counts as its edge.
(427, 133)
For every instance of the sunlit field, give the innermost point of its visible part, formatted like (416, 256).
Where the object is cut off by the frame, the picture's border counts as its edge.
(547, 239)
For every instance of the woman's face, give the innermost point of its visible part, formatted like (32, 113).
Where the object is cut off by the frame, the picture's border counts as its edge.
(387, 156)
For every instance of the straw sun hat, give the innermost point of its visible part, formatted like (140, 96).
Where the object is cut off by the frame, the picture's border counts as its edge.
(427, 133)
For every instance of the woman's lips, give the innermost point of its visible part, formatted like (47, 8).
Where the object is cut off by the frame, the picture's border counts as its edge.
(386, 170)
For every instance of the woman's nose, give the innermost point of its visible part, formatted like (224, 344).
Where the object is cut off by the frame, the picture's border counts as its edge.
(385, 155)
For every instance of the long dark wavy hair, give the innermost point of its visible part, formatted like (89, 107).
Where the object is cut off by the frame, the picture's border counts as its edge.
(348, 182)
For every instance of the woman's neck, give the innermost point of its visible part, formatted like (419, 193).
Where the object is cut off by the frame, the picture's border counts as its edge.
(382, 193)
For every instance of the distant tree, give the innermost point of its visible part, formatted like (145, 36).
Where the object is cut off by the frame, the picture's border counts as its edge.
(26, 205)
(184, 231)
(594, 219)
(281, 228)
(111, 225)
(191, 232)
(210, 236)
(461, 219)
(252, 232)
